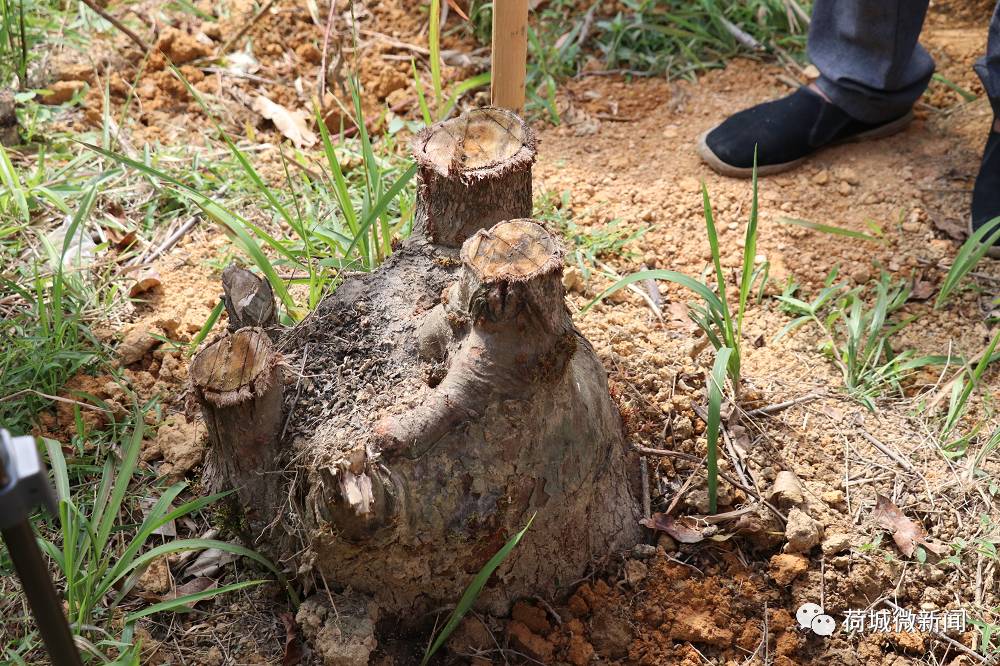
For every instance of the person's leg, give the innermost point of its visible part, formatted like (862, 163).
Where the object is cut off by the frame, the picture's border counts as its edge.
(870, 63)
(986, 193)
(872, 71)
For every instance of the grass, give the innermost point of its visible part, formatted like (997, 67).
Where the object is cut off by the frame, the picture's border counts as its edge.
(472, 593)
(972, 251)
(645, 37)
(720, 321)
(588, 247)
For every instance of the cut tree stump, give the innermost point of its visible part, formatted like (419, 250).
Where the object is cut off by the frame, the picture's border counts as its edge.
(445, 399)
(237, 382)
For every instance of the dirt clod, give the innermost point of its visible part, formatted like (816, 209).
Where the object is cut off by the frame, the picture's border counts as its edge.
(801, 532)
(785, 568)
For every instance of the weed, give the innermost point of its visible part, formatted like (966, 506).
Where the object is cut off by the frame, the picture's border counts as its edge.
(858, 334)
(98, 545)
(715, 316)
(587, 246)
(472, 592)
(972, 250)
(717, 381)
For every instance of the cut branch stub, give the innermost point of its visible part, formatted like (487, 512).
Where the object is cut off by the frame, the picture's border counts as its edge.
(475, 171)
(249, 299)
(237, 381)
(522, 335)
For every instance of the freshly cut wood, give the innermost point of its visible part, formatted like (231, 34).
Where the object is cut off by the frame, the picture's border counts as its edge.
(475, 170)
(445, 399)
(237, 382)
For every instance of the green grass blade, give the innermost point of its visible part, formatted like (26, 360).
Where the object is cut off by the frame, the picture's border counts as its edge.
(181, 602)
(472, 592)
(122, 480)
(830, 229)
(749, 254)
(972, 250)
(715, 387)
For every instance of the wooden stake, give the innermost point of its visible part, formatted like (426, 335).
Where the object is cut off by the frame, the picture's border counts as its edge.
(510, 53)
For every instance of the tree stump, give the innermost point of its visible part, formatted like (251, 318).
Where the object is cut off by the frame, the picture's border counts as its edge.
(237, 381)
(447, 397)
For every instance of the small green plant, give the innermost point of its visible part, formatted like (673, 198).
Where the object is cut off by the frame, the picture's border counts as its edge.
(973, 249)
(963, 388)
(472, 593)
(715, 317)
(100, 550)
(717, 381)
(376, 207)
(588, 246)
(443, 106)
(858, 334)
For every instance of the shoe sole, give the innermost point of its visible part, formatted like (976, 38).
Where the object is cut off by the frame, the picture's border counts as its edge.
(717, 165)
(993, 252)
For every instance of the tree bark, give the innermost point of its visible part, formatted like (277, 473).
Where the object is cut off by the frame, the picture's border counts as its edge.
(475, 171)
(447, 397)
(237, 382)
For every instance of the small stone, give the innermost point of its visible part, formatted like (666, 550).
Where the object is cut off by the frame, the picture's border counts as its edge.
(61, 92)
(833, 497)
(529, 642)
(785, 568)
(821, 177)
(635, 572)
(700, 628)
(134, 345)
(849, 176)
(572, 279)
(682, 428)
(786, 489)
(643, 551)
(532, 617)
(801, 532)
(836, 543)
(844, 188)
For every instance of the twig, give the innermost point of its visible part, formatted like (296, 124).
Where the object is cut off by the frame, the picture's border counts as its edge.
(685, 456)
(18, 394)
(646, 501)
(951, 641)
(330, 16)
(167, 244)
(743, 37)
(118, 24)
(239, 35)
(899, 459)
(779, 406)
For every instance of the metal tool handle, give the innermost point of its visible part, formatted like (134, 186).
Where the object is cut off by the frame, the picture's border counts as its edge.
(23, 487)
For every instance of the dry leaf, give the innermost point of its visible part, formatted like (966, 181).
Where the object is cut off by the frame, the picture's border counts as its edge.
(922, 290)
(684, 530)
(167, 529)
(293, 646)
(292, 124)
(786, 490)
(194, 587)
(950, 227)
(906, 533)
(147, 280)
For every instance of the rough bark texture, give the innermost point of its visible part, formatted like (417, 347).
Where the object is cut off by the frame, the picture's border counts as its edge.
(237, 382)
(447, 397)
(475, 171)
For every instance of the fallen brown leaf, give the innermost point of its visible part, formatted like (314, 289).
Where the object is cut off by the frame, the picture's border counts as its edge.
(195, 586)
(684, 530)
(950, 227)
(147, 280)
(906, 533)
(293, 124)
(922, 290)
(293, 646)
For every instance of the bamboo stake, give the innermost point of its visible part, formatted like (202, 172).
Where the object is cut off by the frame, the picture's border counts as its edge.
(510, 53)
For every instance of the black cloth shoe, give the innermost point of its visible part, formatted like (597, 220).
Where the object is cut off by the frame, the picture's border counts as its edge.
(986, 193)
(785, 132)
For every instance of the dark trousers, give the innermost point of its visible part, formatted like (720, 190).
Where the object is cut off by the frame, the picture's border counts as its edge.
(870, 62)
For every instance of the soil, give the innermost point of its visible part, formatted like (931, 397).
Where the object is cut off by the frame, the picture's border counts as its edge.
(626, 153)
